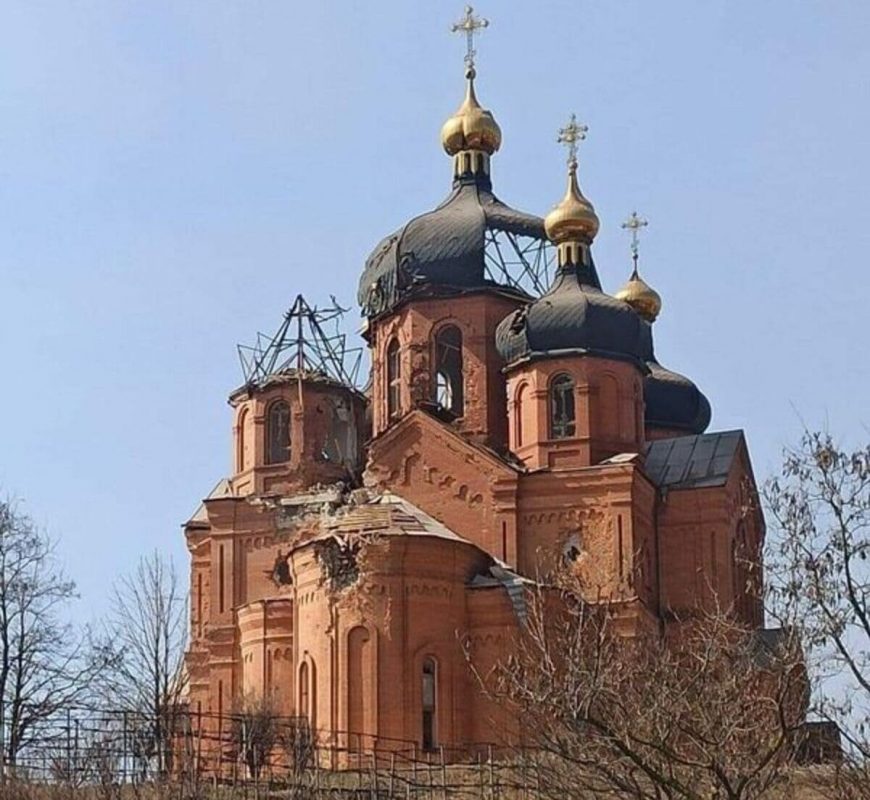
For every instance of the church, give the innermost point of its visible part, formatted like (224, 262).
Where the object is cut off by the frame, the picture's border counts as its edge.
(373, 536)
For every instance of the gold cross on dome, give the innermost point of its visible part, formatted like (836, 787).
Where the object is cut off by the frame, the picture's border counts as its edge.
(468, 25)
(571, 135)
(634, 224)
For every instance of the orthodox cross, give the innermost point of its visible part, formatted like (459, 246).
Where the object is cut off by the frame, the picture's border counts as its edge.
(634, 223)
(468, 25)
(571, 135)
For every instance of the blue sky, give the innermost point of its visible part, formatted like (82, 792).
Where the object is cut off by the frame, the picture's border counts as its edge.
(173, 173)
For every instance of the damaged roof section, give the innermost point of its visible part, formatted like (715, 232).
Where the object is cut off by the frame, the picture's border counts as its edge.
(388, 514)
(514, 585)
(691, 462)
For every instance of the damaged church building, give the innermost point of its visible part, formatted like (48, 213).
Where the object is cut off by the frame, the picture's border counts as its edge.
(374, 536)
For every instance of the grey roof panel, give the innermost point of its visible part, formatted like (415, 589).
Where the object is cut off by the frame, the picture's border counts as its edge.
(692, 461)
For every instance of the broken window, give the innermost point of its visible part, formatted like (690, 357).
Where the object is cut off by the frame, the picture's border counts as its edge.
(429, 692)
(562, 420)
(448, 370)
(278, 433)
(339, 445)
(394, 380)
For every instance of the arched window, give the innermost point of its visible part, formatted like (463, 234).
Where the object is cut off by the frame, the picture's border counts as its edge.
(519, 410)
(430, 692)
(278, 433)
(242, 441)
(448, 370)
(394, 380)
(359, 685)
(308, 692)
(304, 690)
(562, 417)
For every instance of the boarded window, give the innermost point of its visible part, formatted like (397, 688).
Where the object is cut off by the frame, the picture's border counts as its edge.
(278, 433)
(359, 686)
(562, 414)
(448, 370)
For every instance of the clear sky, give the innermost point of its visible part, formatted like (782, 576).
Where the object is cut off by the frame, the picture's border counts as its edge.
(173, 172)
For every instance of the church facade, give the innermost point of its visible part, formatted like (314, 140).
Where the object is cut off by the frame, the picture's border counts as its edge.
(370, 541)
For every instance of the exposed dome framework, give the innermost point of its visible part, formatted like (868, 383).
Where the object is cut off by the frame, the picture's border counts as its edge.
(309, 342)
(472, 240)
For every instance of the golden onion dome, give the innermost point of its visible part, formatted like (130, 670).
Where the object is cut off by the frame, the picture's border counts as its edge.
(471, 127)
(573, 218)
(645, 300)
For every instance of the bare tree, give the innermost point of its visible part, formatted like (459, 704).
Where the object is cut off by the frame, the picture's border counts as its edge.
(147, 632)
(45, 664)
(712, 712)
(819, 578)
(255, 734)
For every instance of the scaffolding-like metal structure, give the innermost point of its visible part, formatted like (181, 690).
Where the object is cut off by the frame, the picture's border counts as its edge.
(521, 262)
(310, 341)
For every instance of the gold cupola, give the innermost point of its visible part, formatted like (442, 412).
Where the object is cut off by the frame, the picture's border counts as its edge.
(471, 135)
(472, 127)
(645, 300)
(572, 224)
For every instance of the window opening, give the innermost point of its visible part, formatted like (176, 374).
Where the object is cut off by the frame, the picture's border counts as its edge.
(448, 370)
(562, 414)
(278, 433)
(304, 698)
(429, 694)
(394, 380)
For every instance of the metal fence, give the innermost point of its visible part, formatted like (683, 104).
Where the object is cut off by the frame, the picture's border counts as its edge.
(114, 754)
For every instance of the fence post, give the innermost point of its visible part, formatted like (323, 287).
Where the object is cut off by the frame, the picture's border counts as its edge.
(124, 747)
(480, 776)
(2, 742)
(316, 751)
(68, 746)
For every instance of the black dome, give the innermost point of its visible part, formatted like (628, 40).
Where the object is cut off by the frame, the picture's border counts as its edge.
(672, 401)
(573, 316)
(442, 247)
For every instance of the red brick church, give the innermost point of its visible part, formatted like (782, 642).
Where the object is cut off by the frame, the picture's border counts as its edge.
(516, 419)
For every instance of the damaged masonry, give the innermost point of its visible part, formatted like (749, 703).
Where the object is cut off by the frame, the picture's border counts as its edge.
(380, 527)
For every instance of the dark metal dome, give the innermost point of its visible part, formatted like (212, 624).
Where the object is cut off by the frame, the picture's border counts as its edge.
(574, 316)
(673, 402)
(443, 247)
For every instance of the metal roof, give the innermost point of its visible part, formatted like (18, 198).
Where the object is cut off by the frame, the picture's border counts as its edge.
(574, 315)
(444, 246)
(221, 489)
(690, 462)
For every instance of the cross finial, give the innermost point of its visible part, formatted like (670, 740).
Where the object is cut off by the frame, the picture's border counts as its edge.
(571, 135)
(634, 223)
(468, 25)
